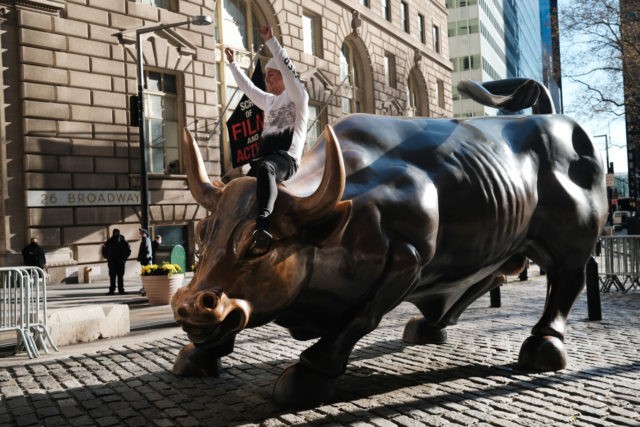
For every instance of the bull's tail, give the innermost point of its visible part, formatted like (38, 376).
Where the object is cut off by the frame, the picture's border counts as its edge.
(510, 94)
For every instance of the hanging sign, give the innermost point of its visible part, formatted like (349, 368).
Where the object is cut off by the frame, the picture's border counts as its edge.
(245, 125)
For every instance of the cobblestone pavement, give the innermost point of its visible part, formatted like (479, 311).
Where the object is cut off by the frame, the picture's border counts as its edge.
(471, 380)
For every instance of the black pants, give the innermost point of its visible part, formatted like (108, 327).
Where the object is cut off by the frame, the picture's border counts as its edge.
(269, 170)
(116, 270)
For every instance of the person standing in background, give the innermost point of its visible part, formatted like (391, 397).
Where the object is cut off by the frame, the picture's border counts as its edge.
(116, 250)
(33, 254)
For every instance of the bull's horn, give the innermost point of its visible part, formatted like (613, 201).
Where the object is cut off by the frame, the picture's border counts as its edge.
(331, 188)
(205, 193)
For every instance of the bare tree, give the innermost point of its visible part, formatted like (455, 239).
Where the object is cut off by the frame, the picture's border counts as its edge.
(594, 57)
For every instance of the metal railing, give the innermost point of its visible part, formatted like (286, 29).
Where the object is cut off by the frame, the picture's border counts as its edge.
(23, 308)
(618, 260)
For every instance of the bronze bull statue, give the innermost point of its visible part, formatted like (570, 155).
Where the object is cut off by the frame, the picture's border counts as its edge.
(392, 209)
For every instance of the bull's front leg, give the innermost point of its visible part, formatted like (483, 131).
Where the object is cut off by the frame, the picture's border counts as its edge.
(201, 360)
(310, 381)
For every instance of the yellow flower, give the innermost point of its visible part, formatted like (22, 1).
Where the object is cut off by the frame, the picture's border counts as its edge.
(165, 269)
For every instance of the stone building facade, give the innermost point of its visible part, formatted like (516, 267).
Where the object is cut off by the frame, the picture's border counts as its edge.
(70, 153)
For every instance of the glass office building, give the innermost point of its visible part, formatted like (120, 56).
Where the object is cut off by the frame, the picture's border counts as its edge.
(492, 40)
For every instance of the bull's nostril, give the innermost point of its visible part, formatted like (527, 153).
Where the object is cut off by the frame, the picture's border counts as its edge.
(182, 312)
(209, 301)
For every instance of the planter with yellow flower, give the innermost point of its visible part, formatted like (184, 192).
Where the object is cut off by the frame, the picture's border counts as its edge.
(160, 282)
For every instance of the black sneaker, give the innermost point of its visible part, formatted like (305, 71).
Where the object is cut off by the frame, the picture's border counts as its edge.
(261, 242)
(111, 293)
(122, 292)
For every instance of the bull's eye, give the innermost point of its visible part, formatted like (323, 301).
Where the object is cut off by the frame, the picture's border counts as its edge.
(257, 249)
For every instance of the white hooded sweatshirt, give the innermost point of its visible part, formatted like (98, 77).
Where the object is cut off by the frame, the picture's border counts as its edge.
(285, 115)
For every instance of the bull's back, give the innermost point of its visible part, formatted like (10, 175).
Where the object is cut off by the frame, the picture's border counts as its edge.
(485, 173)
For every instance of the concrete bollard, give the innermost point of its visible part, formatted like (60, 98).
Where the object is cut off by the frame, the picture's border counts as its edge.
(88, 323)
(494, 297)
(593, 290)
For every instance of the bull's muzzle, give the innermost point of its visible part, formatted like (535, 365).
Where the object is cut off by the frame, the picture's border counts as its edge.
(208, 315)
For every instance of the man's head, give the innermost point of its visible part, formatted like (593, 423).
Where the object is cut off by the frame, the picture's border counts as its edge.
(158, 238)
(34, 240)
(115, 232)
(273, 78)
(143, 232)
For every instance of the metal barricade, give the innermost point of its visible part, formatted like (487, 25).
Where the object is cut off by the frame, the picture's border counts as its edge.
(23, 308)
(619, 263)
(37, 307)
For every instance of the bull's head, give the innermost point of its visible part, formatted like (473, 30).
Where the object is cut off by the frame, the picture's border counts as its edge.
(233, 289)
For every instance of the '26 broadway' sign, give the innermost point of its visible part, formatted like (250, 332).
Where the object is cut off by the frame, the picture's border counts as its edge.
(55, 198)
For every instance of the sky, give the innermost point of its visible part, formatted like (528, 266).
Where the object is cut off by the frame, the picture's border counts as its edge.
(613, 127)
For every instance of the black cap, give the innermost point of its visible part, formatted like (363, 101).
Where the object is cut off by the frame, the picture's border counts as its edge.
(144, 230)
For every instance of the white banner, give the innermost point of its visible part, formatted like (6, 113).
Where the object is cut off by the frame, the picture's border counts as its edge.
(55, 198)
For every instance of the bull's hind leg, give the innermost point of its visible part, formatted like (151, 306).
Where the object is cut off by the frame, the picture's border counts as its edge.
(570, 214)
(430, 328)
(310, 382)
(544, 349)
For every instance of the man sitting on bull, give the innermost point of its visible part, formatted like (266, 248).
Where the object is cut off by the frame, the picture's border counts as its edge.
(286, 111)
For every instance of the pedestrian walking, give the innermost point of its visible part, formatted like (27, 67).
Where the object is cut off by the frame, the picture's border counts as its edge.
(145, 252)
(157, 241)
(116, 250)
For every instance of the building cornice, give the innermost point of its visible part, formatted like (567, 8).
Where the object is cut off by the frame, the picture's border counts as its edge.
(46, 5)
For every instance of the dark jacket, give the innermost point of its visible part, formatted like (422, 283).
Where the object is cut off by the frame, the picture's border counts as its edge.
(145, 252)
(154, 248)
(116, 249)
(33, 255)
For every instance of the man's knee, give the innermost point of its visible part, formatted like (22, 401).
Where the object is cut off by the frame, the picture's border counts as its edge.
(265, 170)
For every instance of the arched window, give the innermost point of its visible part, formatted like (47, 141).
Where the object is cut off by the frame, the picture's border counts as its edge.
(412, 97)
(350, 73)
(417, 100)
(238, 29)
(240, 25)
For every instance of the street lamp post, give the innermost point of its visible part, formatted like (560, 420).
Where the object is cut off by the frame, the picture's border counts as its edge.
(142, 131)
(606, 148)
(609, 173)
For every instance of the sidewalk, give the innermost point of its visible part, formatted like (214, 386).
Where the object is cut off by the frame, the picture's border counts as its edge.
(142, 316)
(470, 380)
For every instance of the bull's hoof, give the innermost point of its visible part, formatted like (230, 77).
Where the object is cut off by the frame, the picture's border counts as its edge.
(542, 354)
(196, 362)
(418, 331)
(301, 387)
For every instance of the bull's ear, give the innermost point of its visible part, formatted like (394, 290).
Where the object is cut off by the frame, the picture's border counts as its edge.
(203, 190)
(332, 227)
